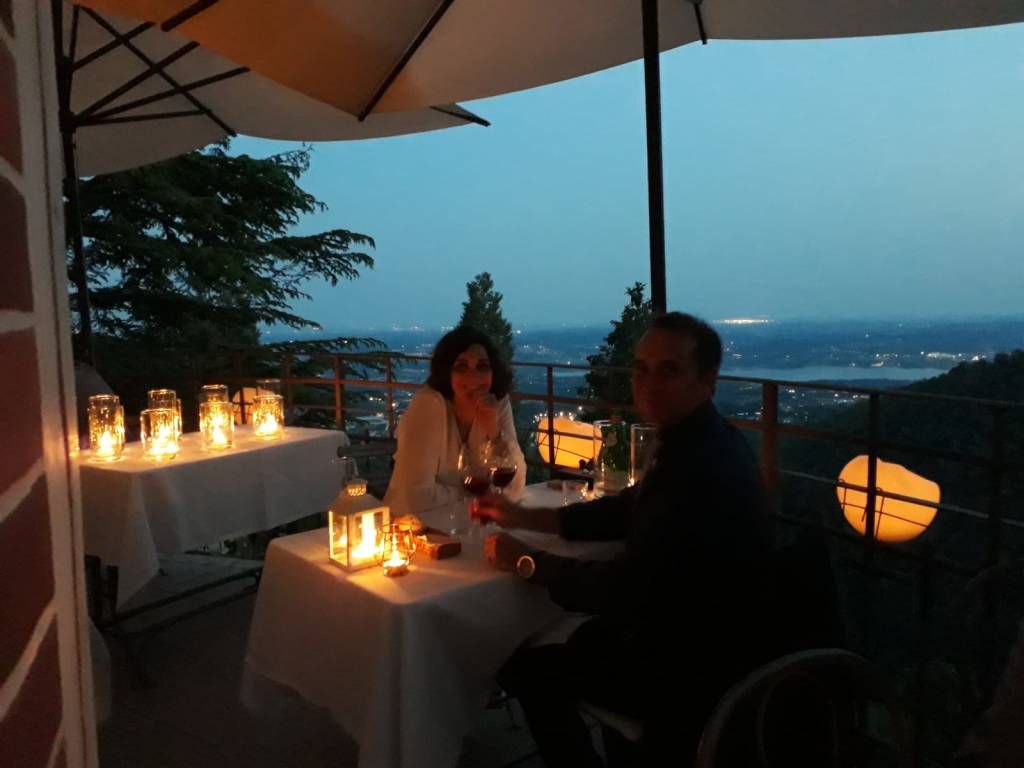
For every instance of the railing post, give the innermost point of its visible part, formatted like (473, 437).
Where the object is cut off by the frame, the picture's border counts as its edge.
(339, 410)
(770, 435)
(924, 591)
(288, 404)
(995, 502)
(390, 378)
(874, 438)
(551, 420)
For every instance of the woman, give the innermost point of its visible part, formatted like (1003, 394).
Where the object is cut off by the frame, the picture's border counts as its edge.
(463, 411)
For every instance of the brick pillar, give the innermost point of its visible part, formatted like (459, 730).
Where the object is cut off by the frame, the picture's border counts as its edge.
(45, 680)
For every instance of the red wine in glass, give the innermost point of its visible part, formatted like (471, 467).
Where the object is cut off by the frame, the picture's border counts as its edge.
(477, 484)
(503, 476)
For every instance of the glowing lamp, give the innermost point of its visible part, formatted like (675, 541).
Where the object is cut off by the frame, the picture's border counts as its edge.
(896, 520)
(159, 428)
(106, 428)
(396, 549)
(216, 425)
(572, 448)
(354, 521)
(268, 416)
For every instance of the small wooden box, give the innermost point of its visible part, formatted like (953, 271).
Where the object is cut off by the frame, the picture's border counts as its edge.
(437, 544)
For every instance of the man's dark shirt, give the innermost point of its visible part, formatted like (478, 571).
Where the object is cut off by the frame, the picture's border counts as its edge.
(683, 597)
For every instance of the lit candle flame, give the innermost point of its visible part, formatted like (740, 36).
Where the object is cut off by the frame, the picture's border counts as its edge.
(367, 548)
(164, 442)
(106, 444)
(268, 426)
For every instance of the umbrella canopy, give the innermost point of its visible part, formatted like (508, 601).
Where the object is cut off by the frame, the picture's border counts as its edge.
(392, 55)
(125, 111)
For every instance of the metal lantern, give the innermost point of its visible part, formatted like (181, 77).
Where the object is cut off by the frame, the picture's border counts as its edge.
(159, 433)
(216, 424)
(167, 398)
(396, 549)
(106, 427)
(213, 393)
(268, 416)
(354, 521)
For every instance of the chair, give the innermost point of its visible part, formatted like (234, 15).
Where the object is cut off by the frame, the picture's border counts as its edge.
(984, 622)
(820, 708)
(801, 607)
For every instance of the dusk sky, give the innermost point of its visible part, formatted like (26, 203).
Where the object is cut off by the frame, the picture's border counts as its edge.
(879, 177)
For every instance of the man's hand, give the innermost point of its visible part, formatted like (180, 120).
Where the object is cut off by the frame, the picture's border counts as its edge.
(504, 551)
(508, 514)
(501, 510)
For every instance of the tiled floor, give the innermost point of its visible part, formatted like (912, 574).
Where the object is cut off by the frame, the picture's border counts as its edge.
(193, 718)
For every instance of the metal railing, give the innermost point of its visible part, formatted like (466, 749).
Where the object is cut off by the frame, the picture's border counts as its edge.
(387, 366)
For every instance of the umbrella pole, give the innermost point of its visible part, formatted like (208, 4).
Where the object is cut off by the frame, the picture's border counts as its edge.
(79, 276)
(655, 191)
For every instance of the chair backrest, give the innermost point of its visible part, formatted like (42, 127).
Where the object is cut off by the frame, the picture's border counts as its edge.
(984, 625)
(809, 708)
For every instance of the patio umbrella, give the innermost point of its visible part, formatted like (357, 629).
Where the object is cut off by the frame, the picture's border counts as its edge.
(389, 55)
(132, 94)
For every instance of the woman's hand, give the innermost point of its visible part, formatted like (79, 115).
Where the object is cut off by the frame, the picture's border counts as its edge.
(487, 414)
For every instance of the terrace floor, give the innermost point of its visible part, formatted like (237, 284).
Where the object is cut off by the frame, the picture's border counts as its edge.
(194, 717)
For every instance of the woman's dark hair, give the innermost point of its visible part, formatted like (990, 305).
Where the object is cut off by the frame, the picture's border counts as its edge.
(453, 344)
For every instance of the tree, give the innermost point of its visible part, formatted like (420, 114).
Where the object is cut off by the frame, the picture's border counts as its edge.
(482, 310)
(617, 351)
(189, 257)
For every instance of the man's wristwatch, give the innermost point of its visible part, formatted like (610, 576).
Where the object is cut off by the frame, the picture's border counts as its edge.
(526, 567)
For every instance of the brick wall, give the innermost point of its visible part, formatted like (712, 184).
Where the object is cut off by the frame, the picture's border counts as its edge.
(45, 718)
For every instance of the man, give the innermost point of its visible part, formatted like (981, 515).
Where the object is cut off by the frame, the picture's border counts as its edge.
(677, 618)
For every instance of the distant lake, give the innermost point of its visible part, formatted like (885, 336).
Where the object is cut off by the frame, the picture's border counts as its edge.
(835, 373)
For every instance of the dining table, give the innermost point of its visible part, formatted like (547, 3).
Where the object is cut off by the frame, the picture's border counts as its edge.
(405, 665)
(135, 509)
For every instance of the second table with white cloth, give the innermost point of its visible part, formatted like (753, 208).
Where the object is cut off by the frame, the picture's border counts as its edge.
(136, 509)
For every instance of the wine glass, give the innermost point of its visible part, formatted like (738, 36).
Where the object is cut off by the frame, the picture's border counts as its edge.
(502, 465)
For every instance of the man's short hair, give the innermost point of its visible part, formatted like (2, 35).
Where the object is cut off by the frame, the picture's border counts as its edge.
(707, 350)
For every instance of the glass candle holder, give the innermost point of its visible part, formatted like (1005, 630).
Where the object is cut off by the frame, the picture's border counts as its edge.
(159, 433)
(396, 548)
(167, 398)
(214, 393)
(216, 425)
(268, 416)
(268, 387)
(106, 428)
(354, 522)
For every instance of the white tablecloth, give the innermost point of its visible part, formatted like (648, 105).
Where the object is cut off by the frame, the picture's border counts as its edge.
(405, 665)
(135, 509)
